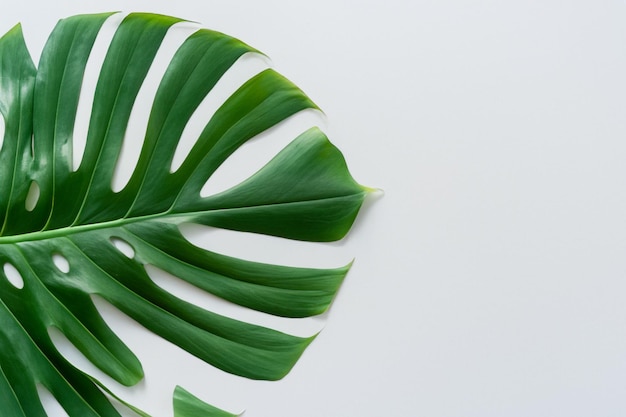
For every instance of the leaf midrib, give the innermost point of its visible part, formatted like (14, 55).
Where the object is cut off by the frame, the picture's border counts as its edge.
(73, 229)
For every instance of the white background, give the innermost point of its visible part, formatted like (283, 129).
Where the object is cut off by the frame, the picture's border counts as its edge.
(490, 279)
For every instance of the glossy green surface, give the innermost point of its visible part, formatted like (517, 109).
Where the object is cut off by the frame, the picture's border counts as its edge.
(304, 193)
(187, 405)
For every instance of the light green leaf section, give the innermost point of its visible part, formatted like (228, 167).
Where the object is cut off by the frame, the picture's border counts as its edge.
(187, 405)
(305, 193)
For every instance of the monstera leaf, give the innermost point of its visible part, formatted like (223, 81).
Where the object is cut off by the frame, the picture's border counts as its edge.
(62, 226)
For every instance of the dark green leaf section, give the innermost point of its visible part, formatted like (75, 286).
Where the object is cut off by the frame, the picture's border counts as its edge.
(187, 405)
(17, 81)
(59, 79)
(259, 104)
(195, 69)
(28, 358)
(62, 300)
(279, 290)
(305, 192)
(236, 347)
(126, 64)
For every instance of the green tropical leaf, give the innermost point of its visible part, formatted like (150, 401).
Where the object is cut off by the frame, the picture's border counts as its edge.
(187, 405)
(62, 226)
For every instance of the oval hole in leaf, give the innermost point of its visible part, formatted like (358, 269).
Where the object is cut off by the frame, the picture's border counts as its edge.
(246, 67)
(49, 403)
(61, 262)
(13, 275)
(33, 196)
(123, 247)
(140, 113)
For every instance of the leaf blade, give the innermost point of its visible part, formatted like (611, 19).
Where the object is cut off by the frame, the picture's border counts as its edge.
(305, 193)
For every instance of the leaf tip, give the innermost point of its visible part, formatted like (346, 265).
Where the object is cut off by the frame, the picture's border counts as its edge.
(16, 30)
(188, 405)
(373, 191)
